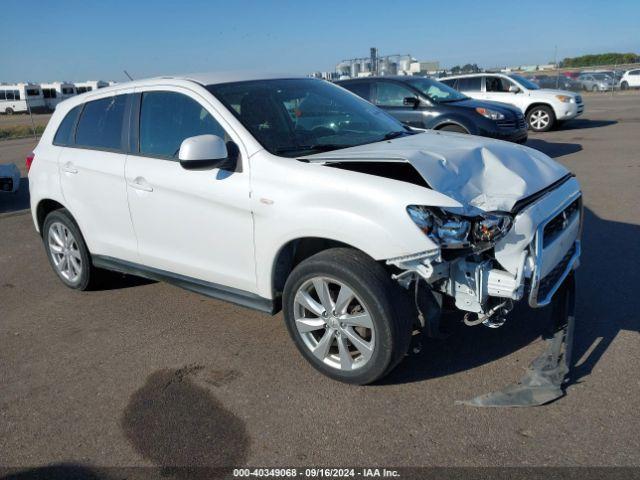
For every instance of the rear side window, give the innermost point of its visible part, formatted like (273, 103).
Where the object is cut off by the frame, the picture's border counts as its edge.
(471, 84)
(64, 135)
(100, 124)
(452, 82)
(167, 118)
(362, 89)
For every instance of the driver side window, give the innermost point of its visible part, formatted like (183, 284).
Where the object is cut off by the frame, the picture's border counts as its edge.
(389, 94)
(168, 118)
(497, 84)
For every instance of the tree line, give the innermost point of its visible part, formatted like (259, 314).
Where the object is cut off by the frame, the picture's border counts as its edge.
(600, 59)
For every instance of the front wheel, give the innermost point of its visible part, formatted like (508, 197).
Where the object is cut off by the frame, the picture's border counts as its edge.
(9, 111)
(541, 118)
(346, 315)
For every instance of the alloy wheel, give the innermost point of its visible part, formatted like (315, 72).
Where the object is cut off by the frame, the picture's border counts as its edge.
(539, 119)
(64, 252)
(334, 323)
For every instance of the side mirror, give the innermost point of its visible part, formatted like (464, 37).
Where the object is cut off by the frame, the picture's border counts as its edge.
(514, 89)
(205, 151)
(411, 101)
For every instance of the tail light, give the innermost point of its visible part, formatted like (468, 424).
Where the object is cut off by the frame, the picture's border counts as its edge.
(29, 160)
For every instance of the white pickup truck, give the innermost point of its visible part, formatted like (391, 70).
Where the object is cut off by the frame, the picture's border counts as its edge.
(543, 108)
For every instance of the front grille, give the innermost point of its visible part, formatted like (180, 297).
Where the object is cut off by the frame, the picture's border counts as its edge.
(578, 99)
(518, 123)
(548, 283)
(558, 223)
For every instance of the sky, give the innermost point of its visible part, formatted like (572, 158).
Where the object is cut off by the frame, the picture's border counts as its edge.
(81, 40)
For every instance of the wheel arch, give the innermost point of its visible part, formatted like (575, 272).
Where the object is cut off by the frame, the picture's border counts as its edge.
(539, 104)
(450, 122)
(45, 207)
(292, 254)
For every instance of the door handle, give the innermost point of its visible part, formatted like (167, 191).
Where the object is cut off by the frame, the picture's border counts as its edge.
(69, 168)
(139, 183)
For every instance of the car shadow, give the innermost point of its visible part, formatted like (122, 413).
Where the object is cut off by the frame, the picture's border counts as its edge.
(584, 123)
(605, 305)
(554, 149)
(12, 202)
(109, 280)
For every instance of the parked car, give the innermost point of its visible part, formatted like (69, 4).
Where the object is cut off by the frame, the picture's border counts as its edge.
(542, 108)
(630, 79)
(294, 194)
(9, 178)
(556, 81)
(426, 103)
(596, 82)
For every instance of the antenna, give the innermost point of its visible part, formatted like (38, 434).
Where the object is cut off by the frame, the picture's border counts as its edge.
(127, 74)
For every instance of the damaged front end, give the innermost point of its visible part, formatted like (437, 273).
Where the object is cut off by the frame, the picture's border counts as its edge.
(486, 262)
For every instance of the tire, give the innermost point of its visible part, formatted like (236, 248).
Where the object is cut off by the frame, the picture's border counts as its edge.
(624, 86)
(541, 118)
(79, 273)
(376, 297)
(453, 128)
(9, 111)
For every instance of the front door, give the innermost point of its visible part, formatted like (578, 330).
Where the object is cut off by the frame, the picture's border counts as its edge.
(195, 223)
(390, 97)
(497, 90)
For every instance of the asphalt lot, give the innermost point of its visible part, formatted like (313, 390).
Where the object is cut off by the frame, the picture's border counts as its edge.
(144, 373)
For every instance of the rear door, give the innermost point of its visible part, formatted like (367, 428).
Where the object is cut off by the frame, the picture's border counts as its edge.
(634, 78)
(194, 223)
(92, 178)
(390, 95)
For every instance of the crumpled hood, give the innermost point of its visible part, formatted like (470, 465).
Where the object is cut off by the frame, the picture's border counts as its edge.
(476, 171)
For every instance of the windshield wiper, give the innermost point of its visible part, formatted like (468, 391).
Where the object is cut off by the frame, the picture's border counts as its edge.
(322, 147)
(392, 135)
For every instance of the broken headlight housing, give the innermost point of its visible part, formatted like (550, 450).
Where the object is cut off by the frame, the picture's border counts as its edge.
(455, 231)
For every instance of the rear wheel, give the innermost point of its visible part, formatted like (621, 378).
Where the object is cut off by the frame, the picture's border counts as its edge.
(66, 250)
(346, 315)
(453, 128)
(541, 118)
(624, 85)
(594, 89)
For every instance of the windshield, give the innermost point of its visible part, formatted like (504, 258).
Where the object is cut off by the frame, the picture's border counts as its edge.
(525, 83)
(435, 91)
(294, 117)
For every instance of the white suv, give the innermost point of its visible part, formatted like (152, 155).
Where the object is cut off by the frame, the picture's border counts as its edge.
(295, 194)
(630, 79)
(542, 107)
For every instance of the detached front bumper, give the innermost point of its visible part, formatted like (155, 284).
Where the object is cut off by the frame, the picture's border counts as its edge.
(531, 261)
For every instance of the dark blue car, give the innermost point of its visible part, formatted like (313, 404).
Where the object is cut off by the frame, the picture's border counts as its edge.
(426, 103)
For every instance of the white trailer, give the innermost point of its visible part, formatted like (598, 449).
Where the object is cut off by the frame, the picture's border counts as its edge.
(14, 97)
(89, 86)
(56, 92)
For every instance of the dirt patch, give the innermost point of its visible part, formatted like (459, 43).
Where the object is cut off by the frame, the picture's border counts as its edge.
(174, 422)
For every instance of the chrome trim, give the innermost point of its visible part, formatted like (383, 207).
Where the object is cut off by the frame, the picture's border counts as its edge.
(538, 249)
